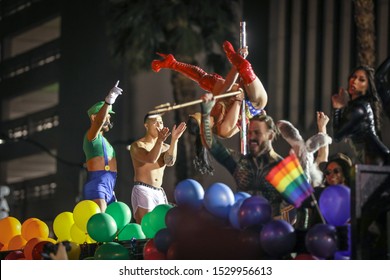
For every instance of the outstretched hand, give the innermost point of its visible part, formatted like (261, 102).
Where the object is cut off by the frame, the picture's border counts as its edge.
(340, 100)
(177, 131)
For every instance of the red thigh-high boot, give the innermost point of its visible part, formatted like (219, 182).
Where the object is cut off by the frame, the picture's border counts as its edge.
(206, 81)
(242, 65)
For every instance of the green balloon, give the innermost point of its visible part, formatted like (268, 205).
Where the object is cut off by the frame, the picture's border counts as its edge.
(111, 251)
(147, 226)
(120, 212)
(102, 227)
(157, 216)
(131, 231)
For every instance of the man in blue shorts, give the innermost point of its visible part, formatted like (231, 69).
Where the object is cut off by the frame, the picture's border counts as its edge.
(100, 155)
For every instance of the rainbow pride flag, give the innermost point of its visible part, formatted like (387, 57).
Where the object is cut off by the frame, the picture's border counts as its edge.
(290, 180)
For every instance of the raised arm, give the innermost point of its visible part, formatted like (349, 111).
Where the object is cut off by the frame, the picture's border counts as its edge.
(323, 152)
(100, 118)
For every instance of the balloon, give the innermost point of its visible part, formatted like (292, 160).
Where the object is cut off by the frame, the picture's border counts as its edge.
(62, 225)
(74, 252)
(162, 240)
(342, 255)
(277, 238)
(15, 255)
(321, 240)
(189, 193)
(84, 210)
(241, 195)
(157, 216)
(35, 228)
(147, 227)
(25, 226)
(17, 242)
(38, 249)
(304, 256)
(233, 214)
(248, 246)
(10, 227)
(150, 251)
(218, 199)
(131, 231)
(28, 249)
(111, 251)
(335, 204)
(254, 211)
(102, 227)
(120, 212)
(174, 218)
(77, 235)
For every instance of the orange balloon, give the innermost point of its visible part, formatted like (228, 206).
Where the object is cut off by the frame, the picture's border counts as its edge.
(10, 227)
(25, 226)
(35, 228)
(28, 249)
(17, 242)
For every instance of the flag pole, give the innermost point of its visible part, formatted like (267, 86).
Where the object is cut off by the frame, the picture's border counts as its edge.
(243, 133)
(318, 208)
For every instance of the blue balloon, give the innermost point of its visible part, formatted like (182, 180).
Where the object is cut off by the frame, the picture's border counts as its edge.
(162, 240)
(321, 240)
(189, 193)
(335, 204)
(233, 214)
(218, 199)
(254, 212)
(241, 195)
(278, 238)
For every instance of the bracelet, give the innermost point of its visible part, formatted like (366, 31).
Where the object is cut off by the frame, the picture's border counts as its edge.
(107, 103)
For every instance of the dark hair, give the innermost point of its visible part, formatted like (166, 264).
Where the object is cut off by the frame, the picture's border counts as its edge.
(268, 121)
(149, 116)
(372, 95)
(345, 163)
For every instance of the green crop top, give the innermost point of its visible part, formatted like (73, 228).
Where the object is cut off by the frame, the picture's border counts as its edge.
(94, 148)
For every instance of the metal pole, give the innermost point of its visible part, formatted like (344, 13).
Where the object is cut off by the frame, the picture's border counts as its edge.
(243, 132)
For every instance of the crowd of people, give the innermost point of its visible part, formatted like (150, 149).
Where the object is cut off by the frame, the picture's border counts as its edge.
(356, 117)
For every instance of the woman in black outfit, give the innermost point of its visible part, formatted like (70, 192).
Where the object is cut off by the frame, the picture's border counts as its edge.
(357, 117)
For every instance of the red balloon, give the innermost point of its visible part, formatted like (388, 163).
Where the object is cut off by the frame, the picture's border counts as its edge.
(304, 256)
(38, 249)
(15, 255)
(151, 252)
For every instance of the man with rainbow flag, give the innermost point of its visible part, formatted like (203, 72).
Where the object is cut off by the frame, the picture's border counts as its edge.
(250, 170)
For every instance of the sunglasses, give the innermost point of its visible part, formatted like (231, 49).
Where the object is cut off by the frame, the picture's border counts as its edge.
(334, 171)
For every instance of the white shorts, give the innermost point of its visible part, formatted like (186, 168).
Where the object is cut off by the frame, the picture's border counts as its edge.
(147, 196)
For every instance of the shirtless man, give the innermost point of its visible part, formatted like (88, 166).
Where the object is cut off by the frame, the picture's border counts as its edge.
(150, 155)
(100, 155)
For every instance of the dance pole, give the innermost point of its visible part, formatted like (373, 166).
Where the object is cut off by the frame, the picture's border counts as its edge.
(167, 107)
(243, 132)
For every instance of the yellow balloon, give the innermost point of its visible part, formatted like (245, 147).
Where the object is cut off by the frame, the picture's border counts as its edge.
(10, 226)
(17, 242)
(78, 236)
(35, 228)
(84, 210)
(62, 224)
(75, 251)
